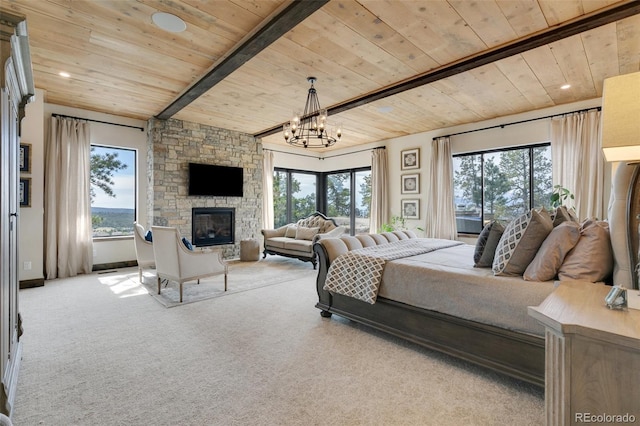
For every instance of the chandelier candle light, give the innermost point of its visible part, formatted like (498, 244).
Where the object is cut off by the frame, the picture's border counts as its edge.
(311, 129)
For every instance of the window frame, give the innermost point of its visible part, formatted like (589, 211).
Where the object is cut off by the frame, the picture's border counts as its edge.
(352, 191)
(482, 153)
(135, 190)
(321, 191)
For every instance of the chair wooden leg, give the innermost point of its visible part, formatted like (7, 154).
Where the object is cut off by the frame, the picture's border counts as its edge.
(225, 282)
(159, 284)
(180, 292)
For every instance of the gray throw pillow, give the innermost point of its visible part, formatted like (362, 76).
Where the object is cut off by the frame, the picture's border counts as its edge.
(592, 258)
(487, 243)
(563, 214)
(552, 252)
(520, 242)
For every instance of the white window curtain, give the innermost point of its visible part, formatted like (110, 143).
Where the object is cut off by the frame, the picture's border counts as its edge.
(267, 190)
(578, 162)
(379, 189)
(441, 216)
(67, 211)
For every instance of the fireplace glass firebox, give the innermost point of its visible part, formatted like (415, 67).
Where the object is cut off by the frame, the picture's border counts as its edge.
(212, 226)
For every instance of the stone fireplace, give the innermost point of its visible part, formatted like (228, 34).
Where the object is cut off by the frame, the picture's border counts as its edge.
(173, 144)
(213, 226)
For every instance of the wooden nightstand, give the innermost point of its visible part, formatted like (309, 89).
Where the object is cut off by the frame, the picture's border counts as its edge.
(592, 356)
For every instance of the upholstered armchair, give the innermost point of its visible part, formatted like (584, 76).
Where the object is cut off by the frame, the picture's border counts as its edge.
(144, 249)
(175, 262)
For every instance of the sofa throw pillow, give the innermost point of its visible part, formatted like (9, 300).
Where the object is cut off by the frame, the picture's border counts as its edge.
(545, 266)
(304, 233)
(592, 257)
(487, 243)
(520, 242)
(148, 236)
(187, 243)
(290, 231)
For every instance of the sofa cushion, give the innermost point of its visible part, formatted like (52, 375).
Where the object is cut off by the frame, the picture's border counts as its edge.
(276, 242)
(304, 233)
(291, 231)
(305, 246)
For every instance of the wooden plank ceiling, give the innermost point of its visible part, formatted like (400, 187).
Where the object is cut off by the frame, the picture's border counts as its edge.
(121, 63)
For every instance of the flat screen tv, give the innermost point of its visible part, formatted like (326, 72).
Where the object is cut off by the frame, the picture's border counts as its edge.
(217, 181)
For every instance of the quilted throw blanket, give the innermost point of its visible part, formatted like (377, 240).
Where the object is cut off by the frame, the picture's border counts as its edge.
(358, 273)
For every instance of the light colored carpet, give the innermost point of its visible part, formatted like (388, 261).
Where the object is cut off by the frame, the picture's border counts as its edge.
(242, 276)
(99, 351)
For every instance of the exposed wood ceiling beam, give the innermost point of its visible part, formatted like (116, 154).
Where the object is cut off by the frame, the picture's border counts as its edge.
(550, 35)
(296, 12)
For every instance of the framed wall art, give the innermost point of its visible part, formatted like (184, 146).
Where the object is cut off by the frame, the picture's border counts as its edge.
(410, 159)
(411, 184)
(25, 158)
(411, 209)
(25, 192)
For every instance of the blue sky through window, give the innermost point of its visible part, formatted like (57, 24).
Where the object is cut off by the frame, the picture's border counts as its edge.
(124, 181)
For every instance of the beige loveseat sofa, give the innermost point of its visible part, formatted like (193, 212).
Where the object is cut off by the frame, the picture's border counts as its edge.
(296, 240)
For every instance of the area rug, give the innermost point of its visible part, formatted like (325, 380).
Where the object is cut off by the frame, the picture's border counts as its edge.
(243, 276)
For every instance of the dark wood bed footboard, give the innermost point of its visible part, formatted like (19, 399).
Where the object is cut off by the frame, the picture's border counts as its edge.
(515, 354)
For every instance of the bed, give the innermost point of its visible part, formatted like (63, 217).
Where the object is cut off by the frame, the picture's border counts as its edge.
(495, 333)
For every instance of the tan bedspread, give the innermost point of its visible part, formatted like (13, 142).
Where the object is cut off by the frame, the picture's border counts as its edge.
(358, 273)
(445, 281)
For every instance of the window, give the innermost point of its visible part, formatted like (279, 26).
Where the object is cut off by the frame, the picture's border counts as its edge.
(294, 195)
(345, 196)
(348, 199)
(113, 191)
(500, 185)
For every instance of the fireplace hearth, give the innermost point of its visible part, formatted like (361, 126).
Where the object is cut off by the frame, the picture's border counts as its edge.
(213, 226)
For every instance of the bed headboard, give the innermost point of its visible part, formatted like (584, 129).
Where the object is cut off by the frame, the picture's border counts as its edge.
(624, 208)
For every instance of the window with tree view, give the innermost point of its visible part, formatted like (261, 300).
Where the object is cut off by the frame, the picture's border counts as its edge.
(113, 191)
(296, 189)
(345, 196)
(500, 185)
(349, 199)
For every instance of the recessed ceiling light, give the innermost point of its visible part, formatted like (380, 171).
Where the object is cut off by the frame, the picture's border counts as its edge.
(64, 74)
(168, 22)
(565, 86)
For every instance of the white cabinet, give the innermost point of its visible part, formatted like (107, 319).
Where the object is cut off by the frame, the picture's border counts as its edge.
(17, 89)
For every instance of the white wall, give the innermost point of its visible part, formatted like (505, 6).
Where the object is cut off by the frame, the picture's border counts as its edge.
(121, 249)
(35, 128)
(32, 218)
(531, 132)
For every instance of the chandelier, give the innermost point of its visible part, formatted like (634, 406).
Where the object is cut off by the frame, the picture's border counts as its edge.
(311, 129)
